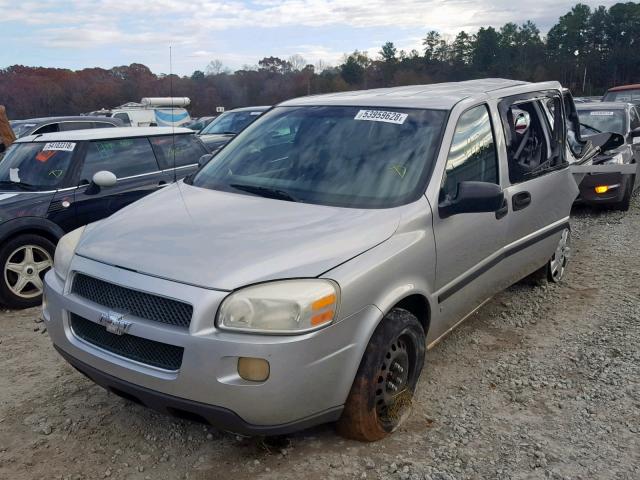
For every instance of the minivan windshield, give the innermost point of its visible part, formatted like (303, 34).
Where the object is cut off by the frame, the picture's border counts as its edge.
(600, 120)
(359, 157)
(35, 165)
(231, 122)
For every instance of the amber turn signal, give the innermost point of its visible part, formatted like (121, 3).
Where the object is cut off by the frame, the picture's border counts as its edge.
(602, 189)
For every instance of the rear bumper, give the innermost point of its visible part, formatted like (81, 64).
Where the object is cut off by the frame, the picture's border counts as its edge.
(219, 417)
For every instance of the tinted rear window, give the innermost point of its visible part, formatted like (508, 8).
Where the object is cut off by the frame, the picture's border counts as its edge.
(177, 151)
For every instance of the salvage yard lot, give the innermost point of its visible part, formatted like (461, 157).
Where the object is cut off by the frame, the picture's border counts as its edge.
(542, 382)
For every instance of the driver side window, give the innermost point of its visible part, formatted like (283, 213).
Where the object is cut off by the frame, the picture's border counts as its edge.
(472, 156)
(535, 143)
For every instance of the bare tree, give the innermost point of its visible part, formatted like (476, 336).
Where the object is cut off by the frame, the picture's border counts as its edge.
(321, 66)
(215, 67)
(297, 62)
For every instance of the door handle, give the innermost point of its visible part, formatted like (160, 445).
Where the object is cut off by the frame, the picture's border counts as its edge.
(503, 210)
(521, 200)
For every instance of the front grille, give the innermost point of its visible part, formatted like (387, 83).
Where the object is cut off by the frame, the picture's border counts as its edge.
(150, 352)
(139, 304)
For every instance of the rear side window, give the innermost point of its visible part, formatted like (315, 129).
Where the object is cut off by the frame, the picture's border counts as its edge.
(184, 150)
(50, 128)
(66, 126)
(124, 157)
(103, 125)
(472, 156)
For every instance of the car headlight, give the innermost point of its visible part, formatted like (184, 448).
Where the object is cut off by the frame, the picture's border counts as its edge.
(281, 307)
(64, 252)
(617, 158)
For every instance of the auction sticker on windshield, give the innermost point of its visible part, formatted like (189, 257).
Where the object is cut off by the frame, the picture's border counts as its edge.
(59, 146)
(601, 113)
(381, 116)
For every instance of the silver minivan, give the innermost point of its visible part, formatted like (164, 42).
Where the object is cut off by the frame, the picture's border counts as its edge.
(299, 276)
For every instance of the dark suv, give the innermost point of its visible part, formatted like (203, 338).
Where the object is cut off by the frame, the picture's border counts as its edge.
(53, 183)
(35, 126)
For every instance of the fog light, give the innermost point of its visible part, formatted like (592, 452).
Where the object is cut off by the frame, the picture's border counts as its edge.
(602, 189)
(253, 369)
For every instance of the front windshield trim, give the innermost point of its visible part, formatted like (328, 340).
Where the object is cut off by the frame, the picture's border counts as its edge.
(432, 149)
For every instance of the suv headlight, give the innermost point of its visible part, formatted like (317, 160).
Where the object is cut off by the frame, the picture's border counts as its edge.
(64, 252)
(281, 307)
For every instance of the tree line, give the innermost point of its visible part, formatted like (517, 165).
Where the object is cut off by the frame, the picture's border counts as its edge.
(587, 50)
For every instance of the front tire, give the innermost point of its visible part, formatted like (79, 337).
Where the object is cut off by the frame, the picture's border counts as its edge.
(382, 391)
(24, 261)
(557, 266)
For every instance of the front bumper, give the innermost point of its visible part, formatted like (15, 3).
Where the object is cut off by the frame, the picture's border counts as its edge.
(310, 375)
(219, 417)
(615, 181)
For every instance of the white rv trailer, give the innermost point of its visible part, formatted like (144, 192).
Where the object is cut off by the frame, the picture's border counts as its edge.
(152, 111)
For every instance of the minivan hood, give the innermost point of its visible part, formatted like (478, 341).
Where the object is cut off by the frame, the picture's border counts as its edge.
(224, 240)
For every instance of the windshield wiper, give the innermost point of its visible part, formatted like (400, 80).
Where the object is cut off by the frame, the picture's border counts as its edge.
(590, 127)
(265, 192)
(25, 186)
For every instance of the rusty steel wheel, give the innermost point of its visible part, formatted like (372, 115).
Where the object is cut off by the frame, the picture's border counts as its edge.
(382, 392)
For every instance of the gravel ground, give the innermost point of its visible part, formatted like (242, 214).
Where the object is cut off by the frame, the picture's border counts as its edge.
(542, 382)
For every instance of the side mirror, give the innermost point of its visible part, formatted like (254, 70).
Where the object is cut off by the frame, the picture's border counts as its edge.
(473, 197)
(635, 135)
(104, 178)
(100, 179)
(204, 159)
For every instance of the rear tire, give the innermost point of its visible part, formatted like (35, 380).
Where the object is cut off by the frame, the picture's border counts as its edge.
(24, 260)
(382, 391)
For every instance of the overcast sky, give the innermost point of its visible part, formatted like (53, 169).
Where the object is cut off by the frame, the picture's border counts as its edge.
(86, 33)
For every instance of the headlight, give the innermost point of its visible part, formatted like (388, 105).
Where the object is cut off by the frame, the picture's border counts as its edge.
(617, 158)
(282, 307)
(64, 252)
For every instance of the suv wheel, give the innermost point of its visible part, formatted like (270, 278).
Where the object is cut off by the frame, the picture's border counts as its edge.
(558, 263)
(24, 260)
(382, 392)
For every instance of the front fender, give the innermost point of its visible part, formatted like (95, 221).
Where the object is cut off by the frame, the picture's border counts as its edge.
(22, 224)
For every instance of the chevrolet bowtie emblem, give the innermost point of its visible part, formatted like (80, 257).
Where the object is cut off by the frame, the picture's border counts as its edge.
(114, 323)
